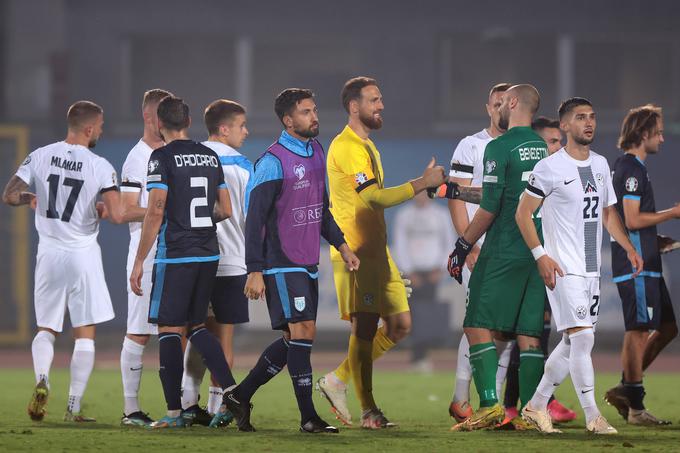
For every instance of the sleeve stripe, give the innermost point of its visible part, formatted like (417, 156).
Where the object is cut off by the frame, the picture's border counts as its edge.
(130, 189)
(156, 185)
(131, 184)
(632, 197)
(366, 184)
(222, 186)
(462, 168)
(107, 189)
(535, 191)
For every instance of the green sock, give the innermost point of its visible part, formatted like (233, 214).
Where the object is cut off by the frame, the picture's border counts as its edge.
(484, 363)
(530, 373)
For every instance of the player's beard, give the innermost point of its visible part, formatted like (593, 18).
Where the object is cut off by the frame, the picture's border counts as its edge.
(370, 121)
(582, 140)
(310, 132)
(503, 119)
(92, 143)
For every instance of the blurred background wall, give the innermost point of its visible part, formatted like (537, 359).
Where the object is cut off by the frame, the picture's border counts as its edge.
(435, 61)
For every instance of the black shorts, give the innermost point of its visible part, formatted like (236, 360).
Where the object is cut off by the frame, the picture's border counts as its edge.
(646, 303)
(229, 304)
(291, 297)
(181, 293)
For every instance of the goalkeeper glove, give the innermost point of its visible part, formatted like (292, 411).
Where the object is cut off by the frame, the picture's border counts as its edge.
(457, 259)
(449, 190)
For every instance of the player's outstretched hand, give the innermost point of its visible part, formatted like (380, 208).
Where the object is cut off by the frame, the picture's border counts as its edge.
(434, 175)
(351, 260)
(457, 259)
(636, 261)
(254, 289)
(136, 279)
(548, 267)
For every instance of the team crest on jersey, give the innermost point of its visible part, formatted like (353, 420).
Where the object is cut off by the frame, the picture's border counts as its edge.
(589, 188)
(360, 178)
(631, 184)
(299, 171)
(599, 178)
(27, 160)
(368, 299)
(490, 166)
(300, 303)
(153, 165)
(581, 312)
(532, 180)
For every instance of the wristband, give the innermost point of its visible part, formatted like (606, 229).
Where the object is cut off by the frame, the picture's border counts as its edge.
(538, 252)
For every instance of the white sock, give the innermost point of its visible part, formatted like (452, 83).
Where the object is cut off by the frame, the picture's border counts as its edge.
(194, 369)
(582, 372)
(463, 371)
(505, 350)
(42, 350)
(555, 372)
(82, 363)
(215, 399)
(131, 371)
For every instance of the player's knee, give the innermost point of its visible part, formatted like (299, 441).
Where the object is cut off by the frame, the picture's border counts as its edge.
(141, 340)
(398, 331)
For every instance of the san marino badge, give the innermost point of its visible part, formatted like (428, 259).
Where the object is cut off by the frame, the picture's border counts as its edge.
(300, 303)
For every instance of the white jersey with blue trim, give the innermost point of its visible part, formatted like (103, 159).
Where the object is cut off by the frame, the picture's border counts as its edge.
(574, 192)
(238, 172)
(133, 180)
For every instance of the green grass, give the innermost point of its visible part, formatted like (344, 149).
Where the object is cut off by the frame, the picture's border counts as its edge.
(418, 403)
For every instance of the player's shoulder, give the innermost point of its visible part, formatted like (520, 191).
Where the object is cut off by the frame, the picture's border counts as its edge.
(348, 140)
(629, 165)
(598, 160)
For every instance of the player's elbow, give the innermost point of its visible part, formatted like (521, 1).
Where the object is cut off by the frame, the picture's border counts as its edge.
(632, 223)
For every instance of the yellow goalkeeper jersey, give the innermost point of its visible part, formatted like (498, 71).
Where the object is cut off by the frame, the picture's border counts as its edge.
(353, 165)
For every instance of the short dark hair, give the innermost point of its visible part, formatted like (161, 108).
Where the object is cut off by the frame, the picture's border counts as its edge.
(543, 122)
(82, 112)
(154, 96)
(637, 122)
(219, 112)
(173, 113)
(351, 91)
(570, 104)
(288, 99)
(499, 88)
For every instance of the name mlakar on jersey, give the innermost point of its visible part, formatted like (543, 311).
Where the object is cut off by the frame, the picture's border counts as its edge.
(70, 165)
(196, 160)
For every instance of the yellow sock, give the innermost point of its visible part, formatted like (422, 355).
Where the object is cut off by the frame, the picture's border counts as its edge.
(361, 366)
(381, 344)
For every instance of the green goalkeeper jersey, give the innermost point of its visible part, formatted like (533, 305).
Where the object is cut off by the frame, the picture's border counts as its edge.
(508, 162)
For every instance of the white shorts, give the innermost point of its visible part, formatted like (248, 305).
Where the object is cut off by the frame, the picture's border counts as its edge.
(72, 280)
(575, 302)
(138, 308)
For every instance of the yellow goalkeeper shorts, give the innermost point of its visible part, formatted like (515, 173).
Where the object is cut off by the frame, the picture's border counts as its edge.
(376, 287)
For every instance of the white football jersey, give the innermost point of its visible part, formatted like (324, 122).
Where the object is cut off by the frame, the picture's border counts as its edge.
(468, 162)
(133, 179)
(67, 179)
(238, 174)
(574, 193)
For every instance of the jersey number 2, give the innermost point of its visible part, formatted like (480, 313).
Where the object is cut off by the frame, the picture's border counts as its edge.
(196, 221)
(75, 184)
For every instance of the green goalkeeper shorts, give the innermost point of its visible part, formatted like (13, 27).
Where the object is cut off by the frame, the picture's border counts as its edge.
(506, 295)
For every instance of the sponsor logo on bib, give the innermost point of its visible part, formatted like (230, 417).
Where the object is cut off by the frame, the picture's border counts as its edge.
(299, 171)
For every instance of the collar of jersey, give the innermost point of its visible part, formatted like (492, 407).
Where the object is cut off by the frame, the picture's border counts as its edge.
(223, 149)
(578, 163)
(298, 147)
(349, 132)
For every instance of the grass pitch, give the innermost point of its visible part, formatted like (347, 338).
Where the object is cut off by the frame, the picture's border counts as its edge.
(417, 402)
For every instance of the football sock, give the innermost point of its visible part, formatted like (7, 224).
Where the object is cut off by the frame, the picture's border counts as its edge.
(545, 341)
(484, 363)
(171, 368)
(194, 370)
(512, 379)
(635, 392)
(270, 363)
(361, 364)
(82, 363)
(463, 371)
(215, 395)
(42, 350)
(505, 349)
(556, 371)
(581, 371)
(131, 372)
(213, 355)
(530, 372)
(381, 344)
(300, 369)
